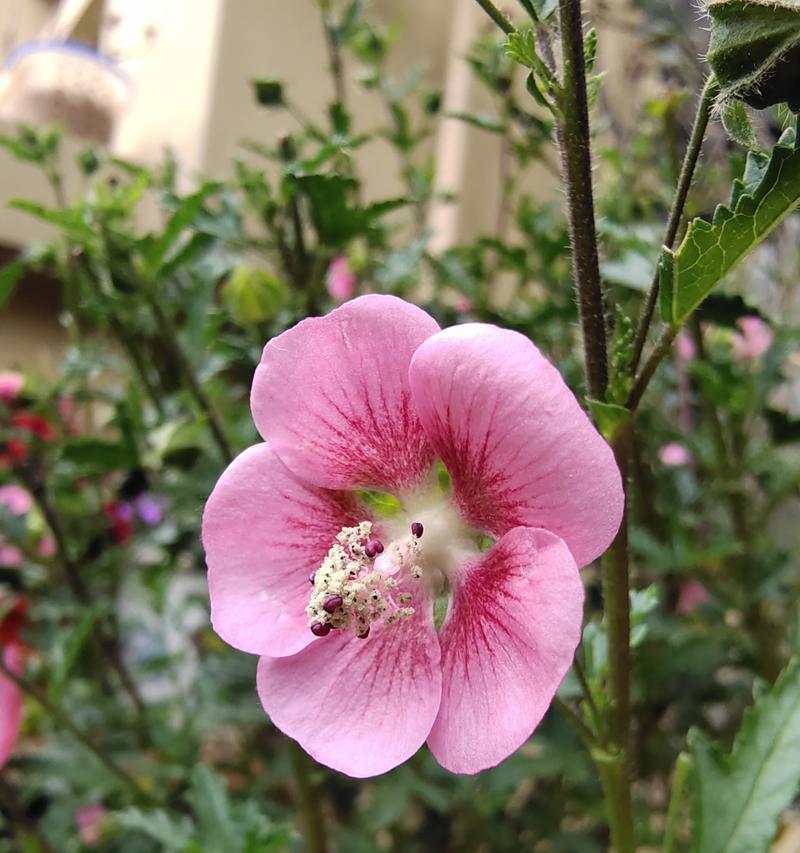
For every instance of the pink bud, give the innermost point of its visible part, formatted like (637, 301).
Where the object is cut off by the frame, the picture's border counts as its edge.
(675, 454)
(10, 385)
(340, 280)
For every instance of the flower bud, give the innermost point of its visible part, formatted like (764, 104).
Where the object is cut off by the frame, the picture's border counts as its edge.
(253, 296)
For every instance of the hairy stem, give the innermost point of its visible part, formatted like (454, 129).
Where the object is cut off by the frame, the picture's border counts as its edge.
(690, 158)
(615, 768)
(577, 162)
(496, 15)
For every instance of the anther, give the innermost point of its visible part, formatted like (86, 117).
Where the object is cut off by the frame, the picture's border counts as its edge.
(373, 548)
(417, 529)
(311, 577)
(333, 603)
(320, 629)
(364, 634)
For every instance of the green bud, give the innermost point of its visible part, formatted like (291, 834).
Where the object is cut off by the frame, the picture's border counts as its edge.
(88, 161)
(253, 296)
(755, 51)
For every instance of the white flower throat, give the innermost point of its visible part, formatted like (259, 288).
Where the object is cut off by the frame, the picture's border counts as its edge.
(362, 580)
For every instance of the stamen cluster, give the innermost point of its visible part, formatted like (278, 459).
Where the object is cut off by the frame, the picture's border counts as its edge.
(350, 592)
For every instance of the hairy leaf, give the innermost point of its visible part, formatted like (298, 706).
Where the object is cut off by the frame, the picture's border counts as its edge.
(739, 797)
(769, 191)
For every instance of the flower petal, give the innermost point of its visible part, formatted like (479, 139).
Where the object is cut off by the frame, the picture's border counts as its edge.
(359, 706)
(331, 396)
(10, 703)
(507, 643)
(264, 532)
(517, 444)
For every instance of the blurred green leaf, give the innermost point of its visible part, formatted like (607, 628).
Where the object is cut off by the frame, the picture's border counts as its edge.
(738, 797)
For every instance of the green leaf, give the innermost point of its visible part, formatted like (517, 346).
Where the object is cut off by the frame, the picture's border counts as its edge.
(9, 276)
(69, 220)
(739, 797)
(770, 191)
(754, 50)
(269, 93)
(738, 125)
(490, 123)
(171, 831)
(94, 456)
(155, 253)
(610, 418)
(219, 831)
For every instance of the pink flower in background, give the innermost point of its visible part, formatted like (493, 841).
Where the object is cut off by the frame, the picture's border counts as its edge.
(10, 385)
(10, 556)
(340, 279)
(89, 820)
(685, 347)
(47, 546)
(754, 340)
(11, 623)
(335, 588)
(691, 595)
(675, 455)
(17, 499)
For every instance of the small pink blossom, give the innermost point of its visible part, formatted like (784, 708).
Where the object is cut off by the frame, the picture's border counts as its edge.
(685, 347)
(754, 340)
(337, 596)
(11, 623)
(675, 455)
(10, 556)
(340, 280)
(690, 596)
(89, 820)
(47, 546)
(17, 499)
(10, 385)
(463, 304)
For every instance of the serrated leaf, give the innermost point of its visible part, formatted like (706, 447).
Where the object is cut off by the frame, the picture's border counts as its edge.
(9, 276)
(69, 220)
(739, 797)
(711, 249)
(218, 828)
(737, 124)
(172, 832)
(754, 50)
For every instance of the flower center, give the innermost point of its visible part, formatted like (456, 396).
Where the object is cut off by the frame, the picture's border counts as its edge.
(362, 580)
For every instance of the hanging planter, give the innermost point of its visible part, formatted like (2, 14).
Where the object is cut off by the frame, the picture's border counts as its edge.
(64, 82)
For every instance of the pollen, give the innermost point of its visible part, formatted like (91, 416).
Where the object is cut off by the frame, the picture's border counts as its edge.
(350, 591)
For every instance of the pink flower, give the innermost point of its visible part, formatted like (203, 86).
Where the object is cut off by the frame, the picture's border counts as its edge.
(10, 385)
(17, 499)
(690, 596)
(90, 822)
(10, 556)
(685, 347)
(47, 546)
(755, 339)
(11, 622)
(335, 588)
(675, 454)
(340, 280)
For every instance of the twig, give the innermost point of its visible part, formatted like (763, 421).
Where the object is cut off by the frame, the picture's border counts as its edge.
(309, 797)
(704, 107)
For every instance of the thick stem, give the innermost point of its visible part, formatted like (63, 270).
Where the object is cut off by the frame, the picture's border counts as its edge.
(63, 721)
(496, 15)
(313, 817)
(577, 162)
(616, 769)
(704, 107)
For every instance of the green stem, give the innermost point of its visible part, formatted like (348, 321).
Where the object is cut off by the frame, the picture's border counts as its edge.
(313, 817)
(615, 766)
(63, 721)
(587, 735)
(641, 382)
(682, 766)
(105, 639)
(497, 16)
(576, 155)
(170, 336)
(690, 157)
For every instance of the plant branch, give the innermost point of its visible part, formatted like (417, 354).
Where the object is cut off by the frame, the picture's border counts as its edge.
(682, 766)
(577, 164)
(63, 721)
(313, 817)
(690, 158)
(646, 374)
(497, 16)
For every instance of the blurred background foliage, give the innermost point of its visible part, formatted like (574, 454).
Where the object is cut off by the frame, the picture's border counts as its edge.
(169, 749)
